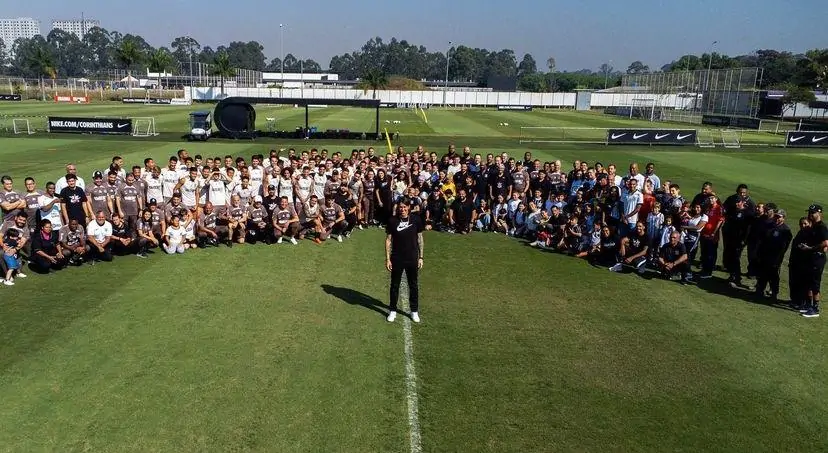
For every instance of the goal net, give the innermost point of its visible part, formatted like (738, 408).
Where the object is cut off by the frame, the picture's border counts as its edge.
(646, 109)
(22, 126)
(732, 138)
(143, 127)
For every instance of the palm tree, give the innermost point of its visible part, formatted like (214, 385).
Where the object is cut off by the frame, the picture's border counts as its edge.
(128, 54)
(222, 68)
(159, 61)
(375, 80)
(42, 62)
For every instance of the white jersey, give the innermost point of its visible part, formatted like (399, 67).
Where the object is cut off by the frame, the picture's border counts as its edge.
(175, 235)
(154, 188)
(218, 193)
(319, 182)
(99, 232)
(169, 179)
(188, 192)
(53, 214)
(284, 187)
(304, 187)
(256, 179)
(245, 194)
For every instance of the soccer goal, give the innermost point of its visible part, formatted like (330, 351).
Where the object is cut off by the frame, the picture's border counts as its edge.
(646, 109)
(732, 138)
(144, 127)
(22, 126)
(706, 138)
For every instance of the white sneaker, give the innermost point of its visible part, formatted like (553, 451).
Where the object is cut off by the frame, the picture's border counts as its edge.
(21, 275)
(415, 316)
(279, 241)
(293, 241)
(616, 268)
(392, 315)
(360, 226)
(11, 283)
(339, 238)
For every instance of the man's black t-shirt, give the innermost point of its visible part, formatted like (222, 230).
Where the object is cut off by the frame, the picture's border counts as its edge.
(636, 243)
(818, 235)
(462, 209)
(738, 220)
(403, 232)
(74, 200)
(670, 253)
(122, 231)
(609, 244)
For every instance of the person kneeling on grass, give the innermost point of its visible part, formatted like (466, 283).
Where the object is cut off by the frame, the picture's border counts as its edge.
(175, 237)
(12, 243)
(73, 242)
(146, 238)
(210, 233)
(123, 237)
(673, 261)
(47, 253)
(634, 249)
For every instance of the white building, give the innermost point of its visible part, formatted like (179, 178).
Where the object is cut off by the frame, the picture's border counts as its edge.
(77, 27)
(297, 80)
(22, 27)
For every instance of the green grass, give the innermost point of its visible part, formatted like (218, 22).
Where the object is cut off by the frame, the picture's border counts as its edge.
(281, 348)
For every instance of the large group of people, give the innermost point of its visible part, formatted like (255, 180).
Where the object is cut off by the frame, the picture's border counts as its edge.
(634, 221)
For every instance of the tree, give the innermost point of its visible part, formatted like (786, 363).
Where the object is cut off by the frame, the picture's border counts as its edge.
(527, 66)
(550, 63)
(99, 52)
(160, 61)
(128, 54)
(222, 68)
(375, 80)
(71, 55)
(291, 63)
(185, 48)
(795, 95)
(2, 53)
(818, 63)
(536, 83)
(39, 60)
(637, 67)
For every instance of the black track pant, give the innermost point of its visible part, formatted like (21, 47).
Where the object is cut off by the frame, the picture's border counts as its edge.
(411, 272)
(732, 257)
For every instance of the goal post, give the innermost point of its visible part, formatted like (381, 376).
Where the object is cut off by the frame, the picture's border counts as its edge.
(22, 126)
(143, 127)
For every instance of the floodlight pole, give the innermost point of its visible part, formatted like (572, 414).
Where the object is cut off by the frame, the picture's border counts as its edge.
(709, 68)
(606, 74)
(190, 47)
(445, 90)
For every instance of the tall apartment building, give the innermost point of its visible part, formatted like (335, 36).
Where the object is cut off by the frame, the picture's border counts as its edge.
(22, 27)
(77, 27)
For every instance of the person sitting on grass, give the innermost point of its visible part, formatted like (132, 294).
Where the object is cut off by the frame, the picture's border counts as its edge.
(673, 261)
(174, 238)
(73, 242)
(47, 253)
(99, 238)
(146, 238)
(634, 250)
(12, 243)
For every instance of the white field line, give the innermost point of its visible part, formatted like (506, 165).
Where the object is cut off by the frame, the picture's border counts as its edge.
(410, 375)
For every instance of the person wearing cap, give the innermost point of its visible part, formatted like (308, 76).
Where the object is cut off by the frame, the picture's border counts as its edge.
(98, 197)
(257, 221)
(798, 266)
(770, 254)
(816, 245)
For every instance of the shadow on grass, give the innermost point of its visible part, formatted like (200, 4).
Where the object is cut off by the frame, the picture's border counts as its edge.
(354, 297)
(721, 286)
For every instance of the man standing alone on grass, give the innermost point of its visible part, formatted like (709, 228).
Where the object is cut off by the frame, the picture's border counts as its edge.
(404, 252)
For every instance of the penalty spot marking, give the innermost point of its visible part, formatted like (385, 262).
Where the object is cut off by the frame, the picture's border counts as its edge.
(411, 397)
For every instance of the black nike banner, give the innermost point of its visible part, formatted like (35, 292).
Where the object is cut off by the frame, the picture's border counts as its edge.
(90, 125)
(809, 139)
(651, 137)
(10, 97)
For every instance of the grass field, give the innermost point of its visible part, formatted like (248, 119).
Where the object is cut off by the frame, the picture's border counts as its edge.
(285, 349)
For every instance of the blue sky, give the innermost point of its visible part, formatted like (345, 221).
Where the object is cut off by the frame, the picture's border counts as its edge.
(579, 34)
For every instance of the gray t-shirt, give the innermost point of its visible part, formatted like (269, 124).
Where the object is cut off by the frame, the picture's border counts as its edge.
(9, 197)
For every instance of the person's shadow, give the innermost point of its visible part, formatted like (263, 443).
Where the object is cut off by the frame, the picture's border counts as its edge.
(354, 297)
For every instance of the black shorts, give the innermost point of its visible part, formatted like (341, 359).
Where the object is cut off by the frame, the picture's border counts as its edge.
(813, 278)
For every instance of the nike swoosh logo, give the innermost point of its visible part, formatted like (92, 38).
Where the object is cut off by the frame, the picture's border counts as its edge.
(682, 137)
(403, 226)
(660, 136)
(815, 139)
(637, 136)
(796, 139)
(616, 136)
(121, 126)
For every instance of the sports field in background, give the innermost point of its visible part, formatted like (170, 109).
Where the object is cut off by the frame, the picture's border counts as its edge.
(286, 349)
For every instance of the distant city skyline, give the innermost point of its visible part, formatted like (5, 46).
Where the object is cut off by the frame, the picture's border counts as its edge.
(578, 35)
